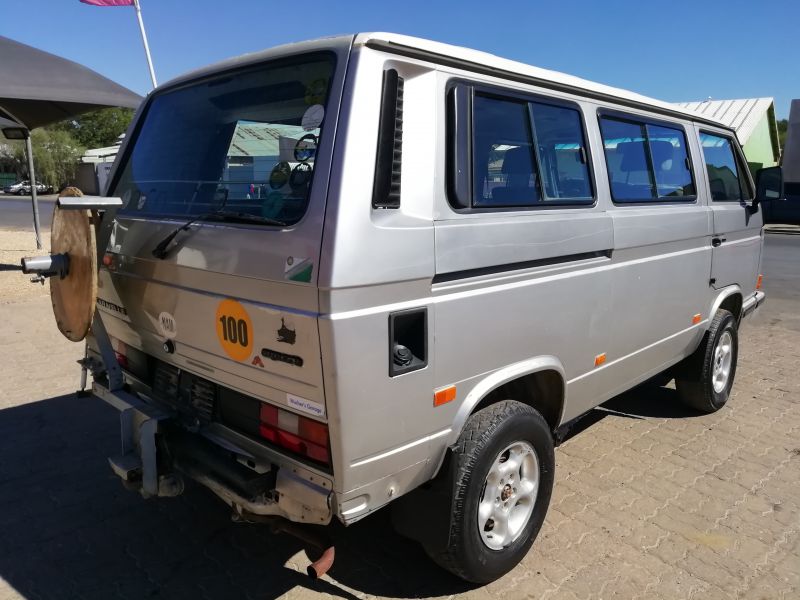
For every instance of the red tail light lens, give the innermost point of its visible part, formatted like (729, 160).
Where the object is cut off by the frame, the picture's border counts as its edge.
(297, 434)
(120, 352)
(291, 442)
(122, 360)
(269, 415)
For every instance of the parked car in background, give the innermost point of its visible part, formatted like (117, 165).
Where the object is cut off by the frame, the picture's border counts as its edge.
(22, 188)
(16, 188)
(786, 209)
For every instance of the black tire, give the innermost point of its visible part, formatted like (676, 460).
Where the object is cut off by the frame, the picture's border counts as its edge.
(486, 434)
(695, 377)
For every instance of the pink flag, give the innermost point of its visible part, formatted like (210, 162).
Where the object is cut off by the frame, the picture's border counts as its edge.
(108, 2)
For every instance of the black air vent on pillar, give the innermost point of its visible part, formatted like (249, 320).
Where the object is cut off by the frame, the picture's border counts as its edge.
(386, 190)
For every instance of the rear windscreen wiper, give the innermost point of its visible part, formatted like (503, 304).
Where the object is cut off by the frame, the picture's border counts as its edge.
(231, 216)
(227, 216)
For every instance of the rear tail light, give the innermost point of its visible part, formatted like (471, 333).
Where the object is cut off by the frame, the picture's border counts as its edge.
(120, 352)
(122, 360)
(759, 281)
(297, 434)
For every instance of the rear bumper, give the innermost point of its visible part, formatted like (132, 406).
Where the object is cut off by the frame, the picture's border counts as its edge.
(750, 305)
(157, 454)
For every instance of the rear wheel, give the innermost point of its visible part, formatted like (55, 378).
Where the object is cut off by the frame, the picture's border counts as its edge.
(503, 477)
(705, 379)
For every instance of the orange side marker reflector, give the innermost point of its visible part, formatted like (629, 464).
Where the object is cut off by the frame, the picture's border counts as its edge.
(444, 395)
(599, 359)
(696, 319)
(758, 281)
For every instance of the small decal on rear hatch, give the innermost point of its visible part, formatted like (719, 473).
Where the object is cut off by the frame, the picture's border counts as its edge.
(167, 325)
(298, 269)
(234, 329)
(290, 359)
(306, 406)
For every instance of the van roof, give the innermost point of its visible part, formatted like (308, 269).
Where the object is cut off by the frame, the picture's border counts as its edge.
(458, 57)
(339, 42)
(475, 60)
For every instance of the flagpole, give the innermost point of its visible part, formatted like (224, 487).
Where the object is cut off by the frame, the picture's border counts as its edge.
(144, 41)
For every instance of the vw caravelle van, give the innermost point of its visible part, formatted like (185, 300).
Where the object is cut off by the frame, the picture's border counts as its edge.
(373, 268)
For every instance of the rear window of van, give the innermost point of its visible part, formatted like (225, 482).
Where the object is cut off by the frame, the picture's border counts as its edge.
(245, 141)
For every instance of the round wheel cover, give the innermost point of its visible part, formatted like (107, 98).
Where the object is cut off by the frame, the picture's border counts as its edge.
(74, 296)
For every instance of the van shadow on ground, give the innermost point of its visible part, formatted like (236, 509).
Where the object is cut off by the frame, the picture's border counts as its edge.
(650, 400)
(70, 530)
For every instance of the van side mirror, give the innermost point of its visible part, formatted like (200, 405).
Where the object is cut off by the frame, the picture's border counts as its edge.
(769, 185)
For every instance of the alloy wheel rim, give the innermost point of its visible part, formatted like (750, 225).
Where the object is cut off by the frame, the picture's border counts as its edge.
(723, 360)
(508, 495)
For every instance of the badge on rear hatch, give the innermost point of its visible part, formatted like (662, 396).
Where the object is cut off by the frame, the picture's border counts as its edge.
(290, 359)
(167, 325)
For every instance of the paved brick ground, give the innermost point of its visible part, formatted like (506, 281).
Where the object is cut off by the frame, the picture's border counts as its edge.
(651, 500)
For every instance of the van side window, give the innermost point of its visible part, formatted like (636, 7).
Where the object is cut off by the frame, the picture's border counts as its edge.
(523, 154)
(504, 170)
(646, 161)
(726, 180)
(670, 162)
(562, 153)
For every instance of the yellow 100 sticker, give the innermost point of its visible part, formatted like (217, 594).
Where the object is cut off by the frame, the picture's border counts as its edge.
(234, 329)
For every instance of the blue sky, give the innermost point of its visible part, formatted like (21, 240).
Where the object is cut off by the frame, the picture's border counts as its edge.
(673, 50)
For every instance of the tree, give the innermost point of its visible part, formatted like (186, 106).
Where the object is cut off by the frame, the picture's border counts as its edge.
(98, 128)
(8, 158)
(783, 126)
(57, 148)
(55, 157)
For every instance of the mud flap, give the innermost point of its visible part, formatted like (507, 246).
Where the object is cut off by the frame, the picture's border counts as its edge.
(423, 514)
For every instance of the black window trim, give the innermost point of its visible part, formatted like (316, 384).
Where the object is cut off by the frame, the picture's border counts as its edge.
(502, 93)
(738, 156)
(638, 119)
(399, 49)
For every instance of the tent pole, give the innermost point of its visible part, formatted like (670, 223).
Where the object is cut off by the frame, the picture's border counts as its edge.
(34, 196)
(144, 41)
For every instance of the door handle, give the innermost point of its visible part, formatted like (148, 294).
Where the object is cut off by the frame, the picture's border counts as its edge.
(716, 242)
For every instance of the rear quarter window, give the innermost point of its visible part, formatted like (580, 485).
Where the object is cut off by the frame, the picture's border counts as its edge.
(504, 165)
(522, 153)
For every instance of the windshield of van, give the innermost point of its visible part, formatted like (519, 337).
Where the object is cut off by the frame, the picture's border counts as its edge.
(244, 141)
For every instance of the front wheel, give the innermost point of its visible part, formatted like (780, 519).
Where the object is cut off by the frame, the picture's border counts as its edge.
(503, 469)
(705, 379)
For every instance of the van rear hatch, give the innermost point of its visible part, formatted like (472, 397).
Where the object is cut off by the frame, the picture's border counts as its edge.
(212, 263)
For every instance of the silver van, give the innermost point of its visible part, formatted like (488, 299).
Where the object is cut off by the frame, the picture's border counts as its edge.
(355, 268)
